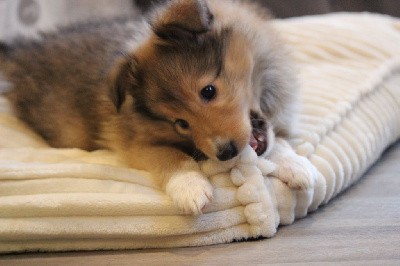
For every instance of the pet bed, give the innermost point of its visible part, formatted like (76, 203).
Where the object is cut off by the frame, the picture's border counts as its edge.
(69, 199)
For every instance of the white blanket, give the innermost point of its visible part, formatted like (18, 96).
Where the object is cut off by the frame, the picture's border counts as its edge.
(69, 199)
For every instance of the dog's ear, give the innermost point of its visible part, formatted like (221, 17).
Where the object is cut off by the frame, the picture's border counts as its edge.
(122, 80)
(181, 19)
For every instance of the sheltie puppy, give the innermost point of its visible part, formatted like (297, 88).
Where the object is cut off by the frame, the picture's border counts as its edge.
(193, 80)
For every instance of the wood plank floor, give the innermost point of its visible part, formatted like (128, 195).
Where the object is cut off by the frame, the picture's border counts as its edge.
(360, 227)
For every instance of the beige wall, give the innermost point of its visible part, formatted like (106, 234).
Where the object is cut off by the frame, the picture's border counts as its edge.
(26, 17)
(290, 8)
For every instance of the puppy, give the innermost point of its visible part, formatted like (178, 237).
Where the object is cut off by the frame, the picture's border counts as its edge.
(194, 80)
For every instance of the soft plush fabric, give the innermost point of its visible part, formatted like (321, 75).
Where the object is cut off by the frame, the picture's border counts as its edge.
(68, 199)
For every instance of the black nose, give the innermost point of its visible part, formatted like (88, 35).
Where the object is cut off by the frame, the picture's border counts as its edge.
(227, 152)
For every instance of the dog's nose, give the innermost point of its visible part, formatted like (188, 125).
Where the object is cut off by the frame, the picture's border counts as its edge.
(227, 152)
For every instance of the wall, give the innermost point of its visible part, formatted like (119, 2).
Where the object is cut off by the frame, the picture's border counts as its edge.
(27, 17)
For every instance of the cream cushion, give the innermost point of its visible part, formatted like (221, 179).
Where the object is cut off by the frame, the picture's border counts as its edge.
(69, 199)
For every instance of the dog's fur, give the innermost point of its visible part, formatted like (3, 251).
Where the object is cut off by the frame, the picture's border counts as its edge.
(122, 85)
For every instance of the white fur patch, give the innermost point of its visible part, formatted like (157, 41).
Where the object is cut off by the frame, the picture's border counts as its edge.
(142, 33)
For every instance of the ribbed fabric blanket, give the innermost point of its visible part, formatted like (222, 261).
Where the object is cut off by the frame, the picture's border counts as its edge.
(69, 199)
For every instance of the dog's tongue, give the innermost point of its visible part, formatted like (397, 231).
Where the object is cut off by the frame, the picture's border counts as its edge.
(253, 142)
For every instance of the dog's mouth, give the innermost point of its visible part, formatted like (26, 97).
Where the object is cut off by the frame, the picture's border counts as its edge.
(258, 141)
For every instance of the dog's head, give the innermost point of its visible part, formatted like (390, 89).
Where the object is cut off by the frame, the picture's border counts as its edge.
(194, 74)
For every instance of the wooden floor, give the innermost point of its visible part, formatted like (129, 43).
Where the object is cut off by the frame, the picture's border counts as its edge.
(360, 227)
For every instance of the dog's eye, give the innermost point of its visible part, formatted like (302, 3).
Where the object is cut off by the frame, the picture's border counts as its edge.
(182, 123)
(208, 93)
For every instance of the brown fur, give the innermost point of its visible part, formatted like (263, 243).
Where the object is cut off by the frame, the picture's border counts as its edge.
(123, 84)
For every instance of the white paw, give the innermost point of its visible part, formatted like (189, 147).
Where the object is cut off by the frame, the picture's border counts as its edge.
(190, 191)
(296, 171)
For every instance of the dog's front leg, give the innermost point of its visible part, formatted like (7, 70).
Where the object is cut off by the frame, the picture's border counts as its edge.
(180, 175)
(294, 170)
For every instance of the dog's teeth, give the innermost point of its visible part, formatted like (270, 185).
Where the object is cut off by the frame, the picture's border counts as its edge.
(260, 138)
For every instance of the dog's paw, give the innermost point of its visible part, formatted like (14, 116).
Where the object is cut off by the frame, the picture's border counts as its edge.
(296, 171)
(190, 191)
